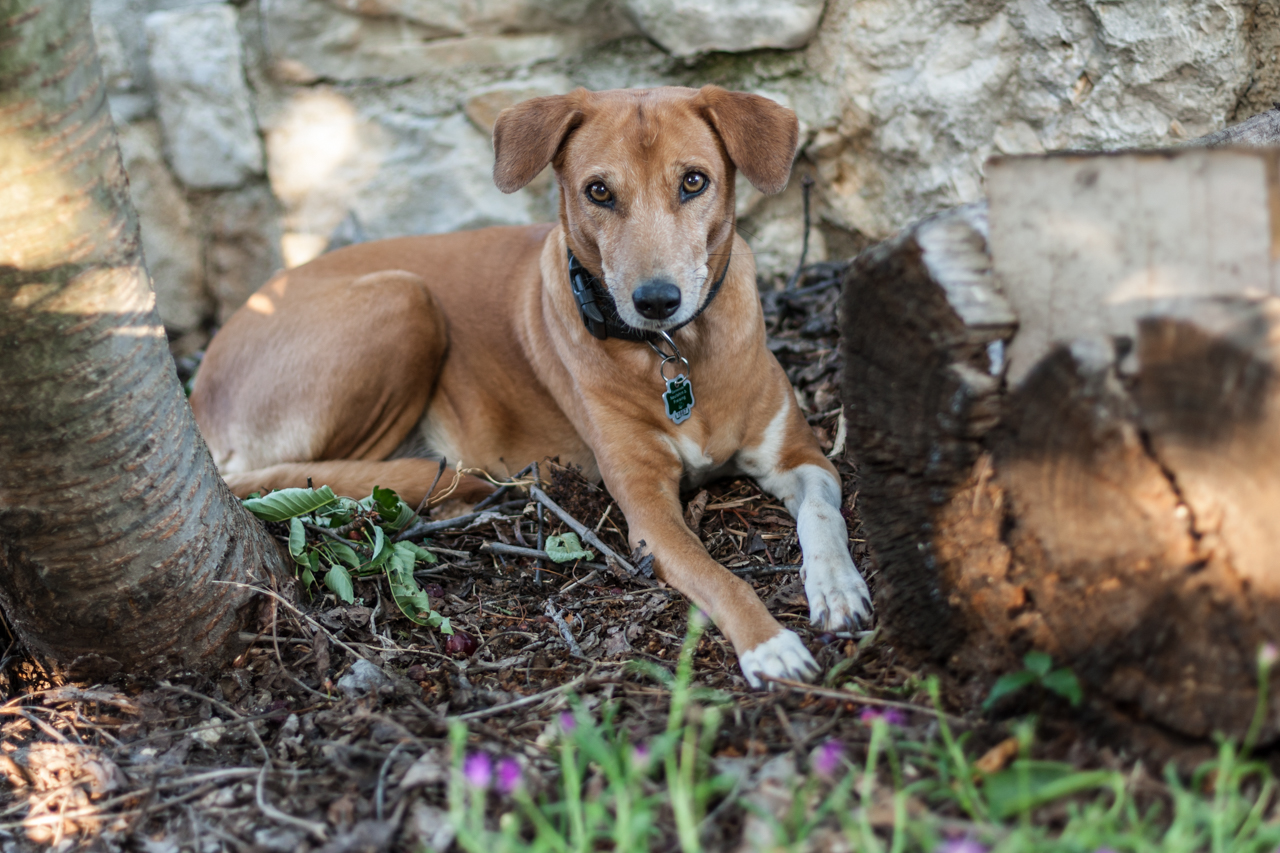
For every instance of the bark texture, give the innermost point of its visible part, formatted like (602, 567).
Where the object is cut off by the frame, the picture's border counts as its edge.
(1125, 523)
(114, 523)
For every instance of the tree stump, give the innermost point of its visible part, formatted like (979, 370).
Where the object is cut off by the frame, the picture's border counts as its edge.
(1117, 505)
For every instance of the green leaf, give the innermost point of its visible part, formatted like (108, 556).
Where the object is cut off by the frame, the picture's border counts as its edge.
(394, 511)
(343, 552)
(1011, 683)
(380, 551)
(1065, 684)
(566, 548)
(297, 538)
(308, 579)
(1038, 662)
(290, 503)
(422, 554)
(1028, 784)
(338, 579)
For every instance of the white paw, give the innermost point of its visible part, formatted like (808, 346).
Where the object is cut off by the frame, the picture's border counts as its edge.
(780, 656)
(838, 596)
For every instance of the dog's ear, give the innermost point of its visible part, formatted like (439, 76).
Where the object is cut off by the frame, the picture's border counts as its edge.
(760, 135)
(527, 136)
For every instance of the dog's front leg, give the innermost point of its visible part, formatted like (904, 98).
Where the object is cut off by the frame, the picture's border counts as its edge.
(645, 481)
(788, 463)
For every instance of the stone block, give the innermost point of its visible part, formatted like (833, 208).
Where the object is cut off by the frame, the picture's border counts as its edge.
(203, 101)
(330, 156)
(691, 27)
(1085, 245)
(243, 244)
(170, 240)
(309, 40)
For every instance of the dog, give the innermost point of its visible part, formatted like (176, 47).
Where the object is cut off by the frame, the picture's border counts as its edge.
(627, 339)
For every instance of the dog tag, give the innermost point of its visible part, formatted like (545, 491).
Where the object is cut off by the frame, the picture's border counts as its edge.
(679, 399)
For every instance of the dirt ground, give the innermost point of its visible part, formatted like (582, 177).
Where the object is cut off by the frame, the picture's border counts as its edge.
(301, 745)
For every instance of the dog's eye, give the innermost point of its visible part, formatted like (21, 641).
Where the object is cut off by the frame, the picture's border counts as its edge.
(693, 183)
(599, 193)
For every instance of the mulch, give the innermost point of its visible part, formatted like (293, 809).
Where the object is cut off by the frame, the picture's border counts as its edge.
(301, 745)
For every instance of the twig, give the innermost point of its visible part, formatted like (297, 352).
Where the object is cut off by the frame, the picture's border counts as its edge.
(380, 791)
(765, 570)
(425, 528)
(289, 606)
(565, 631)
(581, 582)
(227, 709)
(318, 830)
(847, 696)
(806, 185)
(587, 534)
(427, 498)
(501, 490)
(520, 703)
(542, 540)
(333, 534)
(513, 550)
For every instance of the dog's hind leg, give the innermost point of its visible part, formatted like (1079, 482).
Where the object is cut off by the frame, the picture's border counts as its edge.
(410, 478)
(318, 369)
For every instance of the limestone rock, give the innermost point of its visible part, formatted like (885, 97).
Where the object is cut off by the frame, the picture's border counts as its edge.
(243, 249)
(690, 27)
(309, 40)
(920, 96)
(204, 106)
(332, 153)
(169, 238)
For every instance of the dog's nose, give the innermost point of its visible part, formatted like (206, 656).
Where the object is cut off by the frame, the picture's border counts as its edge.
(656, 300)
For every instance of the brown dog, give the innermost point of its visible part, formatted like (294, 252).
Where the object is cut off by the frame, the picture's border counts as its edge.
(502, 346)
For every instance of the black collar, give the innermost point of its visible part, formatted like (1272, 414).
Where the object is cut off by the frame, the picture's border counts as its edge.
(600, 313)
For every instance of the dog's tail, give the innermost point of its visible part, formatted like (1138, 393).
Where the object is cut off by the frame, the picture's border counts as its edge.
(355, 478)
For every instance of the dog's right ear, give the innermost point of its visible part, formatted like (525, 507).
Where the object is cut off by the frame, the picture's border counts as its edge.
(527, 136)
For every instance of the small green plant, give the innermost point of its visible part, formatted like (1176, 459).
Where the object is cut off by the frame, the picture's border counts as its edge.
(922, 796)
(634, 784)
(1037, 669)
(334, 559)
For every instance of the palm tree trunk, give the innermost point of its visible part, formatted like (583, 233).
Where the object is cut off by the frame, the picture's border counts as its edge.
(115, 527)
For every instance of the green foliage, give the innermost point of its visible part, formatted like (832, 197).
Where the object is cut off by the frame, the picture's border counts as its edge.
(1038, 670)
(290, 503)
(926, 795)
(337, 564)
(566, 548)
(635, 782)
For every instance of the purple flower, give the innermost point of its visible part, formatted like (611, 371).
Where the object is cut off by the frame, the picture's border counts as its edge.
(960, 845)
(567, 722)
(1268, 654)
(892, 716)
(827, 759)
(640, 757)
(509, 776)
(478, 769)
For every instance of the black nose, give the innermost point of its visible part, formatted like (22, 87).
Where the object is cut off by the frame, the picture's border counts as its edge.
(656, 300)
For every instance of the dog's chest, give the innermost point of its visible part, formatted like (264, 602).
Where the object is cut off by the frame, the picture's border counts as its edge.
(697, 460)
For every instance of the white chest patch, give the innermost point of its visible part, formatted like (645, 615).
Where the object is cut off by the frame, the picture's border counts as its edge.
(698, 464)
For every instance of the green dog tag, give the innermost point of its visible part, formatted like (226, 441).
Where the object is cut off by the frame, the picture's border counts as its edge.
(679, 399)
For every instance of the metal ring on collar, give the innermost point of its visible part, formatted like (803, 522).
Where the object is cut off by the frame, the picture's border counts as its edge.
(662, 368)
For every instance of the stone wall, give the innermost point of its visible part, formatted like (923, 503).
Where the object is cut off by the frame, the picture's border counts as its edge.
(256, 133)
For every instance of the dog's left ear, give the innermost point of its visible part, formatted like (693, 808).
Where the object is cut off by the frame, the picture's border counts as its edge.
(527, 136)
(760, 135)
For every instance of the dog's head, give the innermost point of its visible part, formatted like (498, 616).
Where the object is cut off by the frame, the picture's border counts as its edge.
(646, 183)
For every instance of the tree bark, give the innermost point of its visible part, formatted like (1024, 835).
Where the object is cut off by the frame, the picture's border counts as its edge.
(115, 528)
(1124, 522)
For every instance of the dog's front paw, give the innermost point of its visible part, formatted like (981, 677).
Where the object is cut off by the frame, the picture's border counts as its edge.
(780, 656)
(838, 596)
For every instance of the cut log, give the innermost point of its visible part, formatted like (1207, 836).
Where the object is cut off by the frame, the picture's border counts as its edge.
(1117, 506)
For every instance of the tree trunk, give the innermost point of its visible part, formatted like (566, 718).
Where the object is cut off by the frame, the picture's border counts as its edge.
(1116, 505)
(115, 528)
